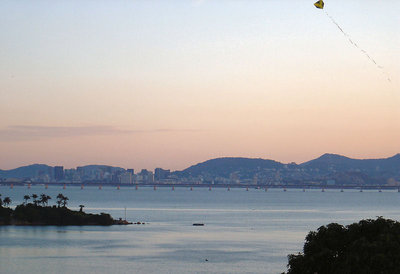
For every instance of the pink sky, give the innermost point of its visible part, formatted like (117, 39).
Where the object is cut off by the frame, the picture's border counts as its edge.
(172, 83)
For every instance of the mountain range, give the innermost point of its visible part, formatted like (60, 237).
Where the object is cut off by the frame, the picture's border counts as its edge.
(328, 167)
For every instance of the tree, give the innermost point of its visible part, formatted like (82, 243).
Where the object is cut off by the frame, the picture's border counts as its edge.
(60, 198)
(47, 198)
(65, 201)
(26, 198)
(1, 201)
(369, 246)
(34, 197)
(44, 199)
(7, 201)
(81, 208)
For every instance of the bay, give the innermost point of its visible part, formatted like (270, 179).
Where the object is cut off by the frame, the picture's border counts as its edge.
(245, 231)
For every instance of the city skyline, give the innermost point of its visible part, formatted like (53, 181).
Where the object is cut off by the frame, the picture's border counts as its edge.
(168, 84)
(328, 169)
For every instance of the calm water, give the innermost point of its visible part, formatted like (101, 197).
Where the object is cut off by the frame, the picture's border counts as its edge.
(245, 231)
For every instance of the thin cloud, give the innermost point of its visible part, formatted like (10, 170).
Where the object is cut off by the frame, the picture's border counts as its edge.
(24, 133)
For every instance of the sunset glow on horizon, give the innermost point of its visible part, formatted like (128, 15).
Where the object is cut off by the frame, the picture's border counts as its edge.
(145, 84)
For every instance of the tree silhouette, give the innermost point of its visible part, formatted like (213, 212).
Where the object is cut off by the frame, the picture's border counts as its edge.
(60, 198)
(7, 201)
(26, 198)
(1, 201)
(34, 197)
(48, 198)
(65, 201)
(81, 208)
(370, 246)
(44, 199)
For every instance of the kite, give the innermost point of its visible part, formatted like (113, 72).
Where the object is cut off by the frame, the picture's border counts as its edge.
(320, 5)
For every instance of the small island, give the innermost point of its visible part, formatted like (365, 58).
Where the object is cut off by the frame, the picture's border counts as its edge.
(39, 212)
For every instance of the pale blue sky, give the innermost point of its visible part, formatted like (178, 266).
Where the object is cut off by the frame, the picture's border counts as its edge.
(119, 81)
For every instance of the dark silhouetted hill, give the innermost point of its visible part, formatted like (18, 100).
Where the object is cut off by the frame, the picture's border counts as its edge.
(223, 167)
(341, 169)
(329, 163)
(26, 171)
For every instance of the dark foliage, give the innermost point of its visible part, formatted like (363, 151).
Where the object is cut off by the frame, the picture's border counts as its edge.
(370, 246)
(40, 215)
(35, 214)
(5, 215)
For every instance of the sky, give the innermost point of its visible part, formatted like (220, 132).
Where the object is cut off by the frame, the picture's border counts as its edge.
(170, 83)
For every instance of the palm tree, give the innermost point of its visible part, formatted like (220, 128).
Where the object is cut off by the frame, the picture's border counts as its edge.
(59, 197)
(7, 201)
(44, 199)
(26, 198)
(65, 201)
(34, 197)
(81, 208)
(47, 199)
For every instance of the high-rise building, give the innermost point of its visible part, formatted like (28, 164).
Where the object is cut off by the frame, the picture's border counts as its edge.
(81, 171)
(116, 177)
(58, 173)
(161, 174)
(126, 178)
(145, 176)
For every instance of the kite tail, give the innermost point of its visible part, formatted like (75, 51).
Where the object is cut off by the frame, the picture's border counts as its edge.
(355, 45)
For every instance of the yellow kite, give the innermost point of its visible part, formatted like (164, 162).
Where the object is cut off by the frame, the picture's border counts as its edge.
(319, 4)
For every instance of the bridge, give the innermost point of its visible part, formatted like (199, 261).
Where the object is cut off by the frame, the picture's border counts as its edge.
(192, 186)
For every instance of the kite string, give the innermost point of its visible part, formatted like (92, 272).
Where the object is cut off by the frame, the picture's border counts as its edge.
(355, 44)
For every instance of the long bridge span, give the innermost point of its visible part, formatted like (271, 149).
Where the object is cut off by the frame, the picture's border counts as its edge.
(192, 186)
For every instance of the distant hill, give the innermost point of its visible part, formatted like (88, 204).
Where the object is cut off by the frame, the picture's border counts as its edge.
(26, 171)
(328, 167)
(328, 163)
(223, 167)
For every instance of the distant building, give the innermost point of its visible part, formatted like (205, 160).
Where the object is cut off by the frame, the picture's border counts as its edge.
(131, 171)
(116, 177)
(256, 181)
(150, 177)
(45, 178)
(234, 178)
(72, 175)
(161, 174)
(145, 176)
(126, 178)
(59, 173)
(81, 171)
